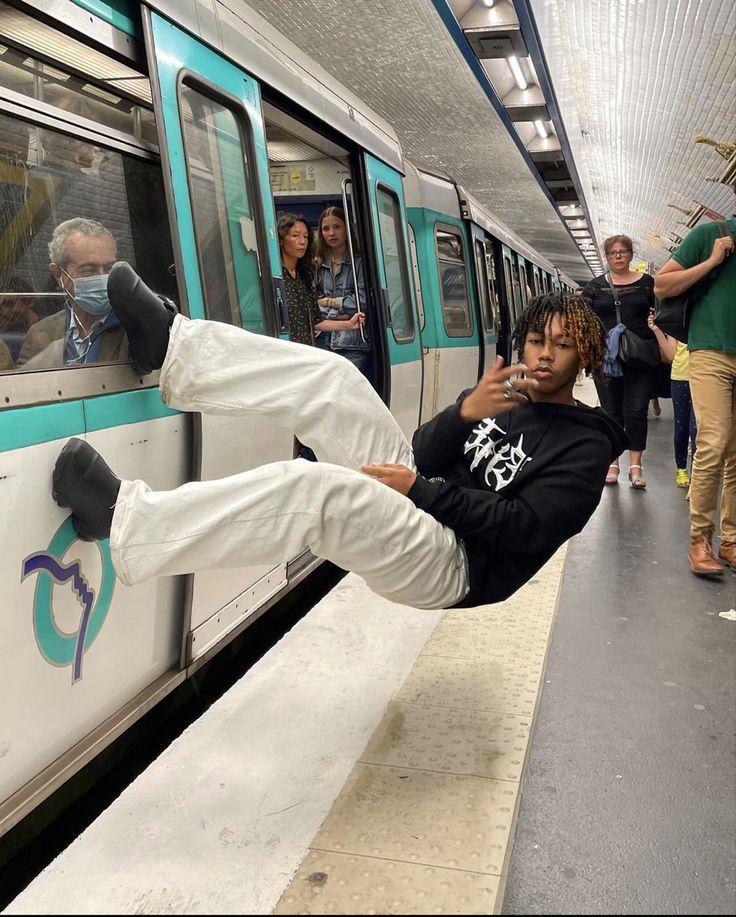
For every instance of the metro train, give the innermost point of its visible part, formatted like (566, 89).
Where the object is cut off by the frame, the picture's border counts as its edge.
(185, 129)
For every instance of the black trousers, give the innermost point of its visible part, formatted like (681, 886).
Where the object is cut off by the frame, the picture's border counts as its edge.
(626, 399)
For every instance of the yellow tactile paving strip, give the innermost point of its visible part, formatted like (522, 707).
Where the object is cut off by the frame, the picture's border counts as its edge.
(425, 821)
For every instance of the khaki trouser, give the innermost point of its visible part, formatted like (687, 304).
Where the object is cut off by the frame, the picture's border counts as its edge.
(713, 389)
(268, 514)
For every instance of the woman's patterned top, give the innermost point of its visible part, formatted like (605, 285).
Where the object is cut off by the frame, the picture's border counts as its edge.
(304, 314)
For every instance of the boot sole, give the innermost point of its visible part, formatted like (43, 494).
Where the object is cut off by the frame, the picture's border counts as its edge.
(705, 572)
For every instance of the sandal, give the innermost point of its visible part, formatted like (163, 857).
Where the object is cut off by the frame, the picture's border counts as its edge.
(612, 476)
(637, 481)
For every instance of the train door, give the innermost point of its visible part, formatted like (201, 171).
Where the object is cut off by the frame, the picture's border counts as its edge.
(388, 220)
(485, 276)
(212, 136)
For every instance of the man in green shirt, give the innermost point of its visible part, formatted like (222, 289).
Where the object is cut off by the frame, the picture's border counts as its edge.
(712, 345)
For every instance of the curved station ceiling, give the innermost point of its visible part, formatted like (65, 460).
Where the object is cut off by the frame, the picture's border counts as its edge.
(614, 95)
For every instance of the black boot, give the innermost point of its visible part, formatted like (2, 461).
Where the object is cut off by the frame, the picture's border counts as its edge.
(83, 483)
(144, 315)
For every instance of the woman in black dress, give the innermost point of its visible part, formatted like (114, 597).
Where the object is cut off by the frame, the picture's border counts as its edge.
(295, 244)
(625, 397)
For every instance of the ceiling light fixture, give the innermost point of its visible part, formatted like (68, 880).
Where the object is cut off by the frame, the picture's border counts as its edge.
(541, 129)
(513, 62)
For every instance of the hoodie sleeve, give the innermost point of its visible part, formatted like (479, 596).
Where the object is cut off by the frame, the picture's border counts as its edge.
(551, 507)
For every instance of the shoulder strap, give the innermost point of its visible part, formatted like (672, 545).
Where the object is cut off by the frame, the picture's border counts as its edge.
(616, 298)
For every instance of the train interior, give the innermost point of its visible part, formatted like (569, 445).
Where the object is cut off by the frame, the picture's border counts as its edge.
(48, 175)
(308, 173)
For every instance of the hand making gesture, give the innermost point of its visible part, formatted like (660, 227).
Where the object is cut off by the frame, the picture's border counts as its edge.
(498, 390)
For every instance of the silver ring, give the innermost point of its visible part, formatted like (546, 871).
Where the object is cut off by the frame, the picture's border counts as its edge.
(508, 389)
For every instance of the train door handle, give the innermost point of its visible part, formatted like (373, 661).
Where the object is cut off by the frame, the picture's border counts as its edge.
(386, 300)
(282, 312)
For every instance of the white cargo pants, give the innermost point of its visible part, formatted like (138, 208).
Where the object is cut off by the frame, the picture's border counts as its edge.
(269, 514)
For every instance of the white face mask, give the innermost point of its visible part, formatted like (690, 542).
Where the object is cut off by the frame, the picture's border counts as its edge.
(91, 294)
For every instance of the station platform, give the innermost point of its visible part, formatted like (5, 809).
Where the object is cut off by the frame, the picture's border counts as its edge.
(373, 762)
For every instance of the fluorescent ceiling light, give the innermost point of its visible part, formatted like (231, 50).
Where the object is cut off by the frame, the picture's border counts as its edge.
(513, 61)
(488, 3)
(541, 129)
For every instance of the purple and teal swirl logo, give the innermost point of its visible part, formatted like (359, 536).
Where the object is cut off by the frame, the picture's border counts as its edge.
(59, 647)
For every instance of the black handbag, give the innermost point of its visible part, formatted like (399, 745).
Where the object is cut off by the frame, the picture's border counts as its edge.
(672, 314)
(634, 352)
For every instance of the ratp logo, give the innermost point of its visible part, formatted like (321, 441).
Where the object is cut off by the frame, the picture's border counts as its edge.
(60, 647)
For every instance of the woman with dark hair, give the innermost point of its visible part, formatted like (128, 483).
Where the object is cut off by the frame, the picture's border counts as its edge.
(295, 244)
(625, 397)
(340, 288)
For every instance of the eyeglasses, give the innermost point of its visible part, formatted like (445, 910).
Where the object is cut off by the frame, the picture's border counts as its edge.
(619, 251)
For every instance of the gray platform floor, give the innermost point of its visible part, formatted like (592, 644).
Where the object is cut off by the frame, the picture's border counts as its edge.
(629, 801)
(379, 758)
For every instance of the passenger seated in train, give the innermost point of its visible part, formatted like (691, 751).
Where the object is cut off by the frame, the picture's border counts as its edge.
(341, 289)
(495, 483)
(81, 253)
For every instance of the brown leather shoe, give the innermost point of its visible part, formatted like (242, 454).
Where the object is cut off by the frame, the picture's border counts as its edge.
(727, 553)
(701, 557)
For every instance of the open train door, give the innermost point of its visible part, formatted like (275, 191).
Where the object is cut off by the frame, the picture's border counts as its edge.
(222, 221)
(388, 220)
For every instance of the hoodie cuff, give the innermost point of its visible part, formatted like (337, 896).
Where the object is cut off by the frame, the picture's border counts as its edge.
(423, 493)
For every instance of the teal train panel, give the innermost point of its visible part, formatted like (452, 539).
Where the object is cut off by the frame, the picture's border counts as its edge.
(23, 427)
(122, 14)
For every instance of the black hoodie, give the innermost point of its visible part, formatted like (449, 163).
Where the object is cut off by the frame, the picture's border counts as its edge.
(514, 488)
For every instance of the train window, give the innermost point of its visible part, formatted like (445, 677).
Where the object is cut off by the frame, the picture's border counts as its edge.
(456, 315)
(508, 286)
(483, 262)
(113, 95)
(523, 286)
(516, 288)
(394, 263)
(493, 286)
(225, 219)
(70, 208)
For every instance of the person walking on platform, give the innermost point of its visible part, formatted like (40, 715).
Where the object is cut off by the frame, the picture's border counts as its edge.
(626, 396)
(495, 484)
(712, 346)
(676, 353)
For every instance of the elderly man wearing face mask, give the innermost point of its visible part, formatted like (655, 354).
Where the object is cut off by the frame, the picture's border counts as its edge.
(81, 252)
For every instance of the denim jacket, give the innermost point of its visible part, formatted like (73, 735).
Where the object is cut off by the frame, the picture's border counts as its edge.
(341, 286)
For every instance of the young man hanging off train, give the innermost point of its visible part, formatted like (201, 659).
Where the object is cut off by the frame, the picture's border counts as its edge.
(486, 493)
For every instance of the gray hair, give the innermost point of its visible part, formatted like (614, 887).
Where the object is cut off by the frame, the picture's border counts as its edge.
(57, 245)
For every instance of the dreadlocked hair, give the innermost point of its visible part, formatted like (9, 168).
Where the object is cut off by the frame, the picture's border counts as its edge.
(579, 322)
